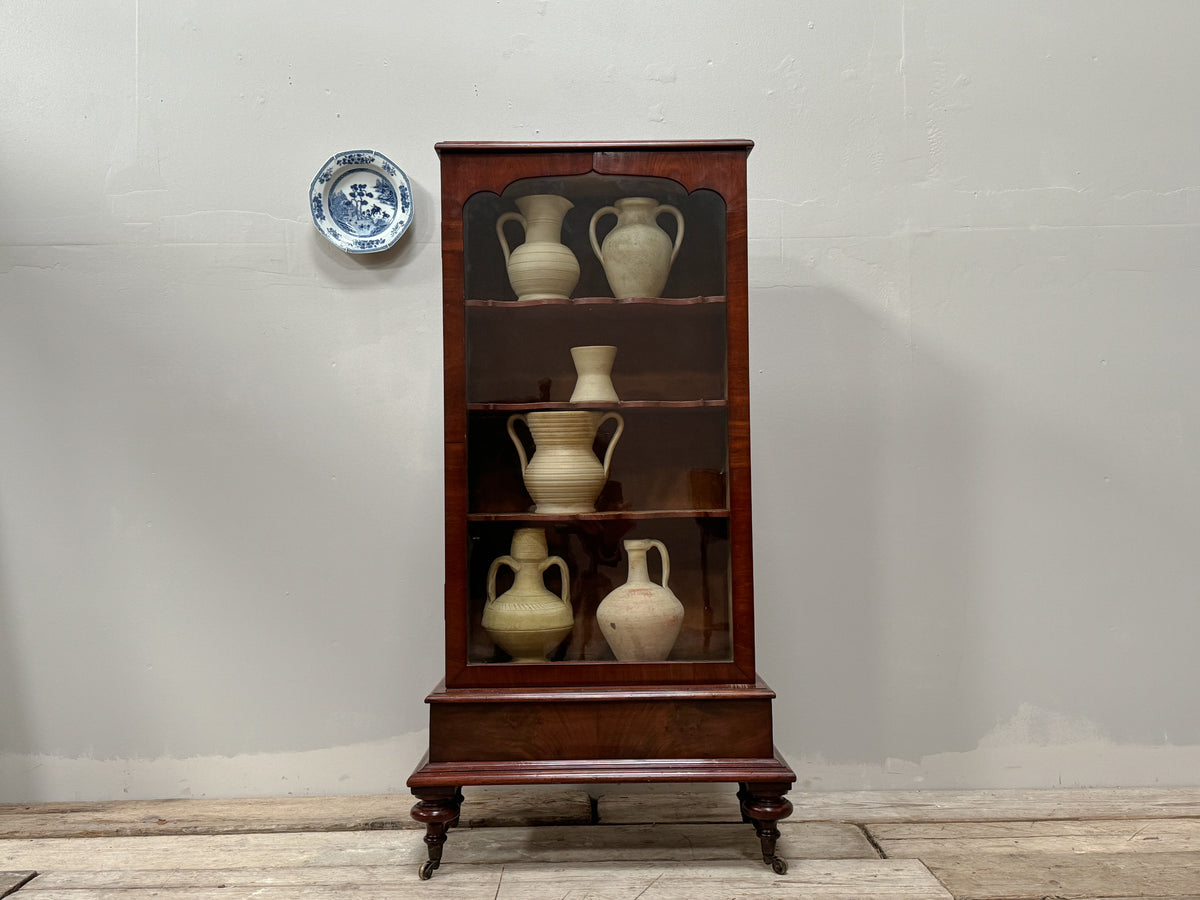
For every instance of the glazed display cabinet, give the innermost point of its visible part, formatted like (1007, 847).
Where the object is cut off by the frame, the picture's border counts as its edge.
(599, 603)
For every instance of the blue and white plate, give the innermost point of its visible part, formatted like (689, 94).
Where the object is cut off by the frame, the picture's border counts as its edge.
(361, 201)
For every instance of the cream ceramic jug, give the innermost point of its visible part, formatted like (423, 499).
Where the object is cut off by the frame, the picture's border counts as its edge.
(541, 268)
(640, 619)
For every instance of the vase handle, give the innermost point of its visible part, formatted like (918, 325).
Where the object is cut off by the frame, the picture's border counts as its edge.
(592, 230)
(666, 559)
(566, 578)
(517, 441)
(612, 444)
(667, 208)
(491, 578)
(507, 217)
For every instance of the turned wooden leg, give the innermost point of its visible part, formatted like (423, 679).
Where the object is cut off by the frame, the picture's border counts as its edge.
(764, 805)
(743, 794)
(458, 802)
(437, 809)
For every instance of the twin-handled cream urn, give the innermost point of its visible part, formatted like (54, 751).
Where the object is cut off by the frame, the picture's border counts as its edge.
(528, 621)
(637, 254)
(564, 476)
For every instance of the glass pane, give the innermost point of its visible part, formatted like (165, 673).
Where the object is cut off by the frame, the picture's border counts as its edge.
(552, 533)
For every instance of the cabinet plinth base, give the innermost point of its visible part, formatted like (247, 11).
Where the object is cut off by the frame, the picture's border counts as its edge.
(673, 734)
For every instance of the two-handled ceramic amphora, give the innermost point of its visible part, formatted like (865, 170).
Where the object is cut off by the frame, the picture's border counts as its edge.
(563, 476)
(528, 621)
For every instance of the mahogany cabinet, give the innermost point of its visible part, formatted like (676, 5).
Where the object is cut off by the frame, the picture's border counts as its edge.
(679, 474)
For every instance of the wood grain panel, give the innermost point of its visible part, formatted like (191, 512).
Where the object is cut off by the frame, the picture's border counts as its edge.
(601, 730)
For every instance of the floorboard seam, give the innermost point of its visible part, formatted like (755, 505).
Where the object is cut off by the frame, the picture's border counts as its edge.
(866, 831)
(18, 881)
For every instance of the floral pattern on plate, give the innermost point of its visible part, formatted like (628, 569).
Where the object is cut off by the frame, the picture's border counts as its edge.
(361, 201)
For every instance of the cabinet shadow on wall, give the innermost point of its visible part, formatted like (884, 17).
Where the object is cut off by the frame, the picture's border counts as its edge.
(14, 719)
(865, 450)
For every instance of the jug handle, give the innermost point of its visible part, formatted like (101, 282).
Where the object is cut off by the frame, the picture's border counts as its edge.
(592, 230)
(667, 208)
(491, 578)
(507, 217)
(666, 559)
(612, 444)
(517, 441)
(566, 583)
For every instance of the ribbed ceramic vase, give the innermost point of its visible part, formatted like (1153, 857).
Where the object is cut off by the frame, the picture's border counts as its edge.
(637, 254)
(563, 475)
(541, 268)
(528, 621)
(640, 619)
(593, 370)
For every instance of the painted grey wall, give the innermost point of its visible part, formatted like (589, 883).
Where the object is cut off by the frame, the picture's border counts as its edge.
(974, 265)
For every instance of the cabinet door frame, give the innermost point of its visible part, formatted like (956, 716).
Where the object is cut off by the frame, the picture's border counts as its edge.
(470, 168)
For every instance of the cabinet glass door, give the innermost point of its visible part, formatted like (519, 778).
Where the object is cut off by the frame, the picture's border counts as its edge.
(549, 534)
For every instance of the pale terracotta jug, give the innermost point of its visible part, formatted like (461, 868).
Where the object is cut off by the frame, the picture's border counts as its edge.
(528, 621)
(593, 368)
(541, 268)
(637, 254)
(564, 475)
(640, 619)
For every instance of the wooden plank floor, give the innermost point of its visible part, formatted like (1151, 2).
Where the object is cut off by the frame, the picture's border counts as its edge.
(622, 844)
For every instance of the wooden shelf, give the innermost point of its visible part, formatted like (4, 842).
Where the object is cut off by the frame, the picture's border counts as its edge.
(596, 301)
(599, 407)
(605, 516)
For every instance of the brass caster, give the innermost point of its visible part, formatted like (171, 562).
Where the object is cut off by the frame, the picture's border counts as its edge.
(777, 863)
(426, 870)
